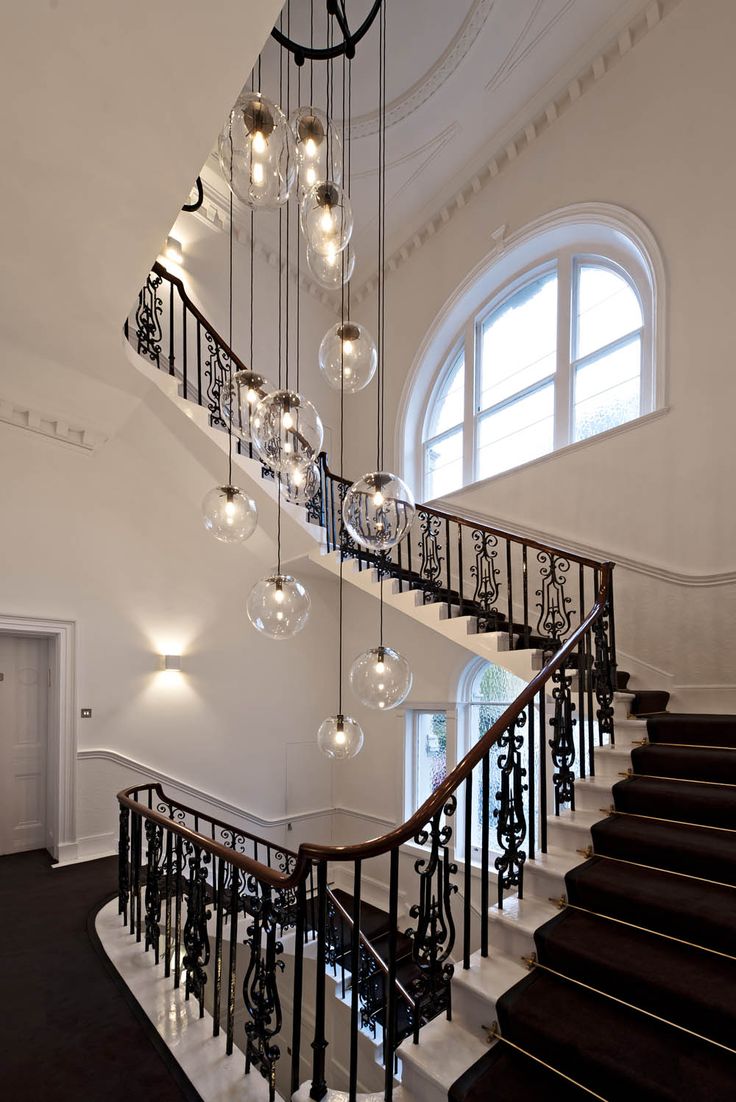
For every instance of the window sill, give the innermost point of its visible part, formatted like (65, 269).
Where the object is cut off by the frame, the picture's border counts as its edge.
(567, 449)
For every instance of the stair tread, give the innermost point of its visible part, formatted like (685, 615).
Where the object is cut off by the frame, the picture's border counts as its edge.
(688, 762)
(444, 1051)
(706, 852)
(585, 1034)
(504, 1072)
(683, 800)
(681, 983)
(525, 913)
(717, 730)
(489, 976)
(678, 906)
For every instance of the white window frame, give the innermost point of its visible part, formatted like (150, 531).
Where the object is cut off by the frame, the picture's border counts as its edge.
(411, 717)
(606, 235)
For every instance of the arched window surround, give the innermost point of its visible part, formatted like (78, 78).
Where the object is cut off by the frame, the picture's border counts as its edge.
(608, 235)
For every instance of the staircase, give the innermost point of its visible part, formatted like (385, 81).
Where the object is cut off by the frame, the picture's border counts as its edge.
(603, 964)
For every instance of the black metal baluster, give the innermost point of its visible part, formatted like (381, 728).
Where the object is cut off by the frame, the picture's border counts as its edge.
(468, 869)
(510, 595)
(296, 1034)
(354, 985)
(583, 675)
(449, 570)
(167, 919)
(219, 904)
(532, 778)
(319, 1044)
(591, 712)
(184, 348)
(232, 960)
(171, 329)
(138, 887)
(332, 538)
(124, 864)
(199, 362)
(311, 902)
(177, 912)
(390, 1019)
(485, 810)
(525, 577)
(612, 657)
(543, 768)
(460, 583)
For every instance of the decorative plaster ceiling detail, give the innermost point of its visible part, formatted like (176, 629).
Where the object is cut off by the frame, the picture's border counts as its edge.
(519, 52)
(595, 70)
(22, 417)
(434, 78)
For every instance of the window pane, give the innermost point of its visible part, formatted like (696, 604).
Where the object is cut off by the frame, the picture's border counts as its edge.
(519, 342)
(608, 391)
(497, 685)
(449, 405)
(607, 308)
(431, 754)
(443, 465)
(517, 433)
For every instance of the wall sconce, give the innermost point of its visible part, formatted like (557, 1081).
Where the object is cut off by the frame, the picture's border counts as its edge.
(173, 250)
(171, 662)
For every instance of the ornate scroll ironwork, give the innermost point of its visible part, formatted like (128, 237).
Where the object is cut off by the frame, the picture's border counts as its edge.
(562, 743)
(148, 320)
(196, 940)
(511, 824)
(216, 372)
(430, 554)
(123, 863)
(433, 937)
(555, 616)
(260, 989)
(603, 677)
(486, 574)
(154, 872)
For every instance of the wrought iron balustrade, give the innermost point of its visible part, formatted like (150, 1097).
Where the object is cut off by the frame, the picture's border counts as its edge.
(176, 865)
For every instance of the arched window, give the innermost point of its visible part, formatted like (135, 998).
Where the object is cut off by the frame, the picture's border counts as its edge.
(554, 342)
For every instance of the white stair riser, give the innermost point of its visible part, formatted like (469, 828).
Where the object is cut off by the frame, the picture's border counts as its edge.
(593, 798)
(567, 835)
(509, 938)
(472, 1009)
(417, 1087)
(542, 883)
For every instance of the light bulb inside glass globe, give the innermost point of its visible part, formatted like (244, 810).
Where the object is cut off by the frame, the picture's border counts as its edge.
(318, 147)
(348, 357)
(300, 480)
(378, 510)
(381, 678)
(286, 427)
(229, 514)
(278, 606)
(326, 218)
(333, 270)
(238, 397)
(340, 737)
(257, 152)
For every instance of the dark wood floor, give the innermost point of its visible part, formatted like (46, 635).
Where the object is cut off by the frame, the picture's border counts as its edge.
(68, 1031)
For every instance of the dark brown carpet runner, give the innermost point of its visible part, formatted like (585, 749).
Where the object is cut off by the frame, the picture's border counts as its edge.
(634, 992)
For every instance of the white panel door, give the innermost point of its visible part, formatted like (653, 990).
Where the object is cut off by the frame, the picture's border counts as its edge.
(24, 692)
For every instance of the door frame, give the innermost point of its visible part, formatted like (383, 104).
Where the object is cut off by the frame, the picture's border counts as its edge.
(61, 760)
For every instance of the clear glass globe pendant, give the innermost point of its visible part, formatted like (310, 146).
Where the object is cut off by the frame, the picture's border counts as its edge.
(229, 514)
(257, 152)
(318, 148)
(278, 606)
(378, 510)
(326, 218)
(348, 357)
(285, 426)
(238, 400)
(300, 480)
(333, 271)
(340, 737)
(381, 678)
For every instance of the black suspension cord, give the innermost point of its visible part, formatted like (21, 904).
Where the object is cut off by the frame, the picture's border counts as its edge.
(230, 328)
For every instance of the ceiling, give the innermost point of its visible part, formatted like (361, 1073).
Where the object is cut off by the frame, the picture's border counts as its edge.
(458, 76)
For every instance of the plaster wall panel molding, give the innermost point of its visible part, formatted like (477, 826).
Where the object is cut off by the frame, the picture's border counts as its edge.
(512, 146)
(46, 424)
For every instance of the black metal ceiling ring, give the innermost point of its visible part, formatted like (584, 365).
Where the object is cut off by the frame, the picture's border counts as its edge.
(200, 197)
(350, 39)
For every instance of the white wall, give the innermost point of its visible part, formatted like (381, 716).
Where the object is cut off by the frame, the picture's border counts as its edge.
(650, 136)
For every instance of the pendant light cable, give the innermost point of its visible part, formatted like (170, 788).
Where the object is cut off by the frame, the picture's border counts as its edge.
(230, 331)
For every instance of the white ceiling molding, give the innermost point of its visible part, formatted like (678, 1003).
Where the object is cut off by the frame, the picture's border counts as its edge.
(510, 149)
(434, 78)
(21, 416)
(516, 54)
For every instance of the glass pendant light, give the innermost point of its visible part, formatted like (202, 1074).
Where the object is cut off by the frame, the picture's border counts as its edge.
(229, 514)
(381, 678)
(378, 510)
(332, 271)
(340, 737)
(348, 357)
(257, 153)
(239, 398)
(326, 218)
(300, 480)
(318, 148)
(278, 606)
(286, 426)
